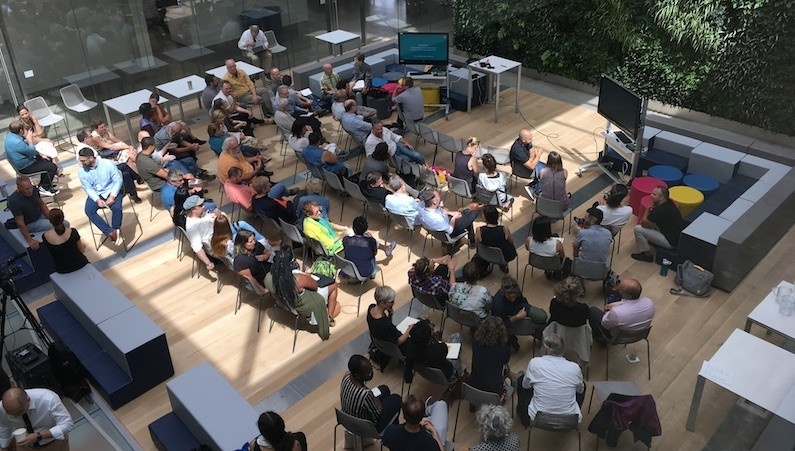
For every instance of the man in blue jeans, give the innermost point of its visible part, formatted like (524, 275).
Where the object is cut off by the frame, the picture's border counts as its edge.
(102, 182)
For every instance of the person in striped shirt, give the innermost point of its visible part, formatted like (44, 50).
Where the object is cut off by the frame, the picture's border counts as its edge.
(376, 405)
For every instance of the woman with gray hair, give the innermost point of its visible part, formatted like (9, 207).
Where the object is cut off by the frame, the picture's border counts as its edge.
(495, 430)
(379, 321)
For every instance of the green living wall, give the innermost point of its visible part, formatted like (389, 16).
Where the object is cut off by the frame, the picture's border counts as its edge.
(729, 58)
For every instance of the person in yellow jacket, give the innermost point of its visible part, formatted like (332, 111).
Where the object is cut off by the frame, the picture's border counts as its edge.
(328, 234)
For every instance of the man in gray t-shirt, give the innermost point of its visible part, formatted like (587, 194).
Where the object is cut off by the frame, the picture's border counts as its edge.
(411, 101)
(593, 242)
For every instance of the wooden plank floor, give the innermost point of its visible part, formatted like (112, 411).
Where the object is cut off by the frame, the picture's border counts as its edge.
(200, 324)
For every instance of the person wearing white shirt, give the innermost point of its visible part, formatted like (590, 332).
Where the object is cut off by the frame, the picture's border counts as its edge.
(556, 384)
(397, 145)
(48, 418)
(199, 227)
(400, 202)
(254, 45)
(435, 218)
(615, 215)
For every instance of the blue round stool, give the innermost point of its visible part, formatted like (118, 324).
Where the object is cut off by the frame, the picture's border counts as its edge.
(704, 183)
(393, 76)
(378, 82)
(667, 174)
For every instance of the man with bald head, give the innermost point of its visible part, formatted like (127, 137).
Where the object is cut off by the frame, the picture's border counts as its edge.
(525, 161)
(49, 421)
(243, 88)
(631, 314)
(329, 81)
(254, 44)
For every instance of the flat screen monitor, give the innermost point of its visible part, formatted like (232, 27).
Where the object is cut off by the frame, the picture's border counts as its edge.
(423, 48)
(620, 106)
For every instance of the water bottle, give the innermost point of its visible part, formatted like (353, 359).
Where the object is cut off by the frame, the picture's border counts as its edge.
(190, 85)
(664, 267)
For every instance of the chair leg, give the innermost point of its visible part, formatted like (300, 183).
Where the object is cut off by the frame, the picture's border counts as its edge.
(524, 273)
(607, 363)
(648, 357)
(529, 430)
(295, 335)
(259, 312)
(457, 412)
(590, 402)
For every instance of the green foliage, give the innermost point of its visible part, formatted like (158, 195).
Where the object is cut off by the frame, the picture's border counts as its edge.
(729, 58)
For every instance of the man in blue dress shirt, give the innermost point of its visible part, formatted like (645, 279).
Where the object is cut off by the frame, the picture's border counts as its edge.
(102, 183)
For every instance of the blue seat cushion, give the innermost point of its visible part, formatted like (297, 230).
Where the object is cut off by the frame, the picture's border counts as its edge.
(654, 157)
(170, 433)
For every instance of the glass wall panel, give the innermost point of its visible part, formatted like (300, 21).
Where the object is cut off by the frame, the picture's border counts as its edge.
(113, 47)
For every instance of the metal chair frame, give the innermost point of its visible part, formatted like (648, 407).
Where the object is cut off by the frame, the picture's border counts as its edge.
(246, 284)
(494, 256)
(128, 245)
(430, 301)
(355, 193)
(553, 263)
(626, 338)
(552, 209)
(403, 222)
(444, 237)
(349, 268)
(555, 423)
(476, 398)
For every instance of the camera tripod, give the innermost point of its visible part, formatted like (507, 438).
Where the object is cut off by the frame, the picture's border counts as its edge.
(8, 270)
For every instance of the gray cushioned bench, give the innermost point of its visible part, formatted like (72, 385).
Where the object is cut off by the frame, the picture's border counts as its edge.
(209, 408)
(125, 352)
(730, 241)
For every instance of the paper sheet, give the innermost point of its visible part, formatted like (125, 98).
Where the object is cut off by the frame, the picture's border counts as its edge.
(453, 351)
(306, 92)
(404, 325)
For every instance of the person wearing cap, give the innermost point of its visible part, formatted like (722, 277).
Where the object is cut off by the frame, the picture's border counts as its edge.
(593, 242)
(199, 227)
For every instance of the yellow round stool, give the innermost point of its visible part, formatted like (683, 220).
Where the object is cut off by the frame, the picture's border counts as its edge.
(686, 198)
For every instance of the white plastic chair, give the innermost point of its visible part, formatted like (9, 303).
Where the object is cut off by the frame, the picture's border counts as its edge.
(74, 99)
(41, 111)
(274, 45)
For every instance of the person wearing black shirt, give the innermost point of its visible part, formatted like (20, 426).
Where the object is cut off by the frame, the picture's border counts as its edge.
(564, 308)
(374, 189)
(510, 305)
(661, 225)
(419, 432)
(379, 321)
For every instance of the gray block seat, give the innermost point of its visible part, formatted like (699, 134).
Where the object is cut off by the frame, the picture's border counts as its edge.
(211, 409)
(715, 161)
(125, 353)
(699, 240)
(670, 149)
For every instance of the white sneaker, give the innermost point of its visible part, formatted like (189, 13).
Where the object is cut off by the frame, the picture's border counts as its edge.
(119, 238)
(51, 192)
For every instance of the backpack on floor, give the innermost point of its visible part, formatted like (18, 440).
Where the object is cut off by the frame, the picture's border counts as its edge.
(693, 279)
(68, 371)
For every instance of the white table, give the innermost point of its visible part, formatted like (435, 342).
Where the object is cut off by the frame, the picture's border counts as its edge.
(182, 88)
(126, 105)
(753, 369)
(336, 37)
(766, 315)
(249, 69)
(498, 66)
